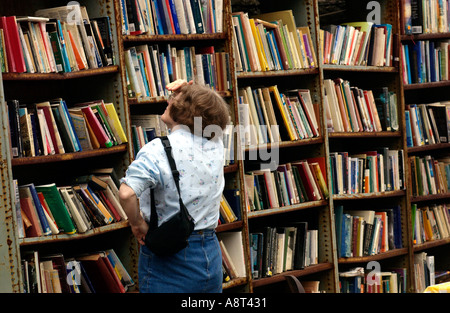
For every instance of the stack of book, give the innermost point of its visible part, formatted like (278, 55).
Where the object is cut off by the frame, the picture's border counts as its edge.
(351, 109)
(89, 201)
(269, 116)
(357, 43)
(367, 232)
(427, 124)
(270, 42)
(429, 176)
(51, 42)
(356, 280)
(430, 222)
(51, 127)
(160, 17)
(425, 61)
(275, 250)
(367, 171)
(151, 68)
(424, 271)
(97, 272)
(290, 184)
(424, 17)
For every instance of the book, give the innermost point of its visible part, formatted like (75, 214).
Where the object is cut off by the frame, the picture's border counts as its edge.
(57, 207)
(29, 191)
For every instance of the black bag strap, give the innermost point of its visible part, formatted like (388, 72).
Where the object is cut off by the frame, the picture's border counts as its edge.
(176, 177)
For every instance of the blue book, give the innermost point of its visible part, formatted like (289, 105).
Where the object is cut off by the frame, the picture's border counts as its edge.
(338, 213)
(173, 10)
(143, 74)
(158, 20)
(197, 14)
(432, 65)
(407, 61)
(73, 134)
(234, 200)
(39, 209)
(409, 139)
(187, 56)
(66, 63)
(346, 241)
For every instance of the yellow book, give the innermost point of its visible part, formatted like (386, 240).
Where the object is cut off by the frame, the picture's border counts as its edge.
(259, 47)
(320, 179)
(285, 117)
(116, 122)
(427, 225)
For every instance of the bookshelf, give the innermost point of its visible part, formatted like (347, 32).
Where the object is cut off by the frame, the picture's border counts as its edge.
(317, 213)
(74, 87)
(421, 89)
(322, 214)
(210, 41)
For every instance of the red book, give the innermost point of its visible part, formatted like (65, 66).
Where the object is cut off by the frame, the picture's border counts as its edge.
(307, 183)
(8, 52)
(100, 275)
(27, 207)
(96, 127)
(15, 46)
(48, 118)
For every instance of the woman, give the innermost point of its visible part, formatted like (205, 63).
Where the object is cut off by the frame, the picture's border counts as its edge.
(199, 160)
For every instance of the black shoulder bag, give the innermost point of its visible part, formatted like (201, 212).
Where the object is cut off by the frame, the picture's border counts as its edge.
(172, 235)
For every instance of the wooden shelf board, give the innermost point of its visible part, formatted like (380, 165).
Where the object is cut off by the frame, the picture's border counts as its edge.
(68, 156)
(372, 195)
(65, 237)
(298, 273)
(286, 209)
(60, 76)
(376, 257)
(346, 135)
(178, 37)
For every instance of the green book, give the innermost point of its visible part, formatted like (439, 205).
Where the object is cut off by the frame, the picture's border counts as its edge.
(57, 208)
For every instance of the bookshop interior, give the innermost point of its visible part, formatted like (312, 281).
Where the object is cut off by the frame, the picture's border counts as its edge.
(336, 154)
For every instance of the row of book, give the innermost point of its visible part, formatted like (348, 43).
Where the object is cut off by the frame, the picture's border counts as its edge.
(426, 16)
(352, 109)
(61, 39)
(51, 127)
(290, 184)
(151, 68)
(358, 280)
(146, 127)
(430, 222)
(97, 272)
(429, 176)
(233, 264)
(275, 250)
(367, 232)
(427, 124)
(367, 171)
(425, 61)
(161, 17)
(357, 43)
(271, 42)
(269, 116)
(90, 201)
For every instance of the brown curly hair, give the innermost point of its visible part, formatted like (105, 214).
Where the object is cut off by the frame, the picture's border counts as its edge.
(198, 101)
